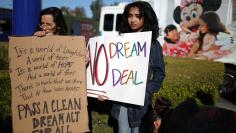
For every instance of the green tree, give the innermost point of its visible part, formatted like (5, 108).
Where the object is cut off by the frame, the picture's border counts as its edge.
(96, 9)
(79, 11)
(65, 10)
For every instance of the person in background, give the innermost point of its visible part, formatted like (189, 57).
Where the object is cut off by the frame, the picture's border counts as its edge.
(139, 17)
(190, 117)
(206, 46)
(173, 46)
(51, 22)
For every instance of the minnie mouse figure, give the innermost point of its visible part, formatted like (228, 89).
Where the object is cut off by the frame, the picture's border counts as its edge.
(188, 13)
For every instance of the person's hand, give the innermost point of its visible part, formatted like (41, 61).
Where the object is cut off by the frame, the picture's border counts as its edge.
(200, 52)
(214, 47)
(157, 124)
(102, 98)
(40, 33)
(190, 55)
(86, 58)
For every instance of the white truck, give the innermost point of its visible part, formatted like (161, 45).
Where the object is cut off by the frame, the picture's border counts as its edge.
(110, 15)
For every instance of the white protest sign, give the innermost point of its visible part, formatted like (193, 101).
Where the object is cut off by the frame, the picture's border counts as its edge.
(118, 67)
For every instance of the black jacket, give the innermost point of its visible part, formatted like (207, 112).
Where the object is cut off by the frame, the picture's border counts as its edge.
(156, 74)
(189, 117)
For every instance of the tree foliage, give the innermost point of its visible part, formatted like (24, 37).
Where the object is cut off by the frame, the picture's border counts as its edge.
(65, 10)
(78, 11)
(96, 9)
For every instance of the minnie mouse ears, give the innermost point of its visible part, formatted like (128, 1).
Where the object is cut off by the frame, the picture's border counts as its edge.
(208, 5)
(185, 3)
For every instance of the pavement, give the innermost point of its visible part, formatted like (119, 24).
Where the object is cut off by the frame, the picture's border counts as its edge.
(224, 103)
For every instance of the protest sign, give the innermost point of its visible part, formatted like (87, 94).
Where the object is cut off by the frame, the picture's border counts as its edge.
(48, 84)
(118, 67)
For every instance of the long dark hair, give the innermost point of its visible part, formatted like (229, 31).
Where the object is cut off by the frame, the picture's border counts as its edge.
(146, 12)
(58, 19)
(213, 22)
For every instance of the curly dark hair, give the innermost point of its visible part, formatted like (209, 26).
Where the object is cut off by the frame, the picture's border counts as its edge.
(146, 12)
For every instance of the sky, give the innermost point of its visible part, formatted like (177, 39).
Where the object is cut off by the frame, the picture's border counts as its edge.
(69, 3)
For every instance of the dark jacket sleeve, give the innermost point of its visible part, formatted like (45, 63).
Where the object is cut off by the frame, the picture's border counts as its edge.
(156, 70)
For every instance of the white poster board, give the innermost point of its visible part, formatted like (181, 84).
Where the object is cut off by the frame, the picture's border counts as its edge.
(118, 67)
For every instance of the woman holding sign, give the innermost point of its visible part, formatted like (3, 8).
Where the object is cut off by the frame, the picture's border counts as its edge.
(139, 17)
(51, 22)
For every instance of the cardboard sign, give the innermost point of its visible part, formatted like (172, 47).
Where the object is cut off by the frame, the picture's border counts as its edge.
(48, 84)
(118, 67)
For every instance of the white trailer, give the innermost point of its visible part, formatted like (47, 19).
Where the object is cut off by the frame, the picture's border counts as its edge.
(164, 9)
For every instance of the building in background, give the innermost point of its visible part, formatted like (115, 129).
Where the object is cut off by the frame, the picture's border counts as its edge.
(5, 23)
